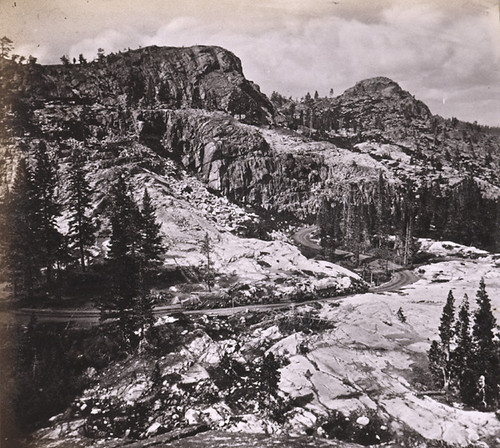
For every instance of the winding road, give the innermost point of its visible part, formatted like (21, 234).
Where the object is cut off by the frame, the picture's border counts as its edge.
(89, 317)
(303, 237)
(399, 278)
(397, 281)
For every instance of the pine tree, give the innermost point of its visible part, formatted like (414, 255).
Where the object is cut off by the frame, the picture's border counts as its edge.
(151, 241)
(486, 358)
(100, 55)
(462, 355)
(437, 364)
(125, 241)
(326, 222)
(127, 298)
(439, 353)
(6, 46)
(44, 187)
(352, 226)
(65, 60)
(81, 229)
(22, 259)
(446, 326)
(207, 250)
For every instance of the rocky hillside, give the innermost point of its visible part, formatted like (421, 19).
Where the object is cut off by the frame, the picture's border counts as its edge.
(219, 161)
(178, 133)
(379, 111)
(374, 143)
(353, 370)
(197, 77)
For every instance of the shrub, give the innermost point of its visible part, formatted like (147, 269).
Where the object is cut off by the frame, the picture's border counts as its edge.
(307, 322)
(346, 428)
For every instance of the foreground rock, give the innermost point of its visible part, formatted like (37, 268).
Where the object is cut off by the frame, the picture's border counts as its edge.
(352, 361)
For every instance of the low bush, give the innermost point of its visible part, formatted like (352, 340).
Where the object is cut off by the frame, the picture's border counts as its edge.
(308, 322)
(365, 428)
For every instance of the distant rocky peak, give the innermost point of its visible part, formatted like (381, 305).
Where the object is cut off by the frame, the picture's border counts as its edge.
(204, 58)
(387, 94)
(198, 77)
(375, 87)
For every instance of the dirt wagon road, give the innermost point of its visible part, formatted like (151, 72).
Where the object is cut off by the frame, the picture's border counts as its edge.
(303, 237)
(399, 279)
(89, 317)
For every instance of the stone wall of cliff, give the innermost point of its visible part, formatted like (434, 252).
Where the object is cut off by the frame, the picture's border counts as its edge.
(195, 107)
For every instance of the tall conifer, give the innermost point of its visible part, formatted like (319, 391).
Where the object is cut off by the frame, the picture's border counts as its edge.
(22, 259)
(439, 353)
(446, 326)
(151, 241)
(462, 355)
(127, 298)
(81, 229)
(486, 357)
(48, 209)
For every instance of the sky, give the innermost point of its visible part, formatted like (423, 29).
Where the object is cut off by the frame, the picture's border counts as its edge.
(445, 52)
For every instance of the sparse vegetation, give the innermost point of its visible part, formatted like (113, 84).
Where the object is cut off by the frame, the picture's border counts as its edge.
(196, 148)
(401, 315)
(207, 268)
(365, 428)
(467, 362)
(6, 46)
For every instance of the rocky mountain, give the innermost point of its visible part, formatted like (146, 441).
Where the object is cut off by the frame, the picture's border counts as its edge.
(446, 169)
(194, 106)
(176, 121)
(220, 159)
(208, 78)
(378, 110)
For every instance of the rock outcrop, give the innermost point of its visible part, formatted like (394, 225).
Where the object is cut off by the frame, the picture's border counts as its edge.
(195, 107)
(170, 118)
(198, 77)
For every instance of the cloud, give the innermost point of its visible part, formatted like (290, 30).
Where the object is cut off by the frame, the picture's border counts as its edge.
(110, 40)
(433, 48)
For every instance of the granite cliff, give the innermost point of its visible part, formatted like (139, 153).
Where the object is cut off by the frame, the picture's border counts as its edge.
(195, 107)
(187, 125)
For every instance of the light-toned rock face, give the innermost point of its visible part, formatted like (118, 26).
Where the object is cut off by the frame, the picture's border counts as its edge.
(367, 365)
(373, 361)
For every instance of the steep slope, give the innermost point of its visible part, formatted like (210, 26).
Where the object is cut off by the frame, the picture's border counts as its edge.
(447, 170)
(197, 77)
(374, 147)
(378, 110)
(350, 369)
(186, 124)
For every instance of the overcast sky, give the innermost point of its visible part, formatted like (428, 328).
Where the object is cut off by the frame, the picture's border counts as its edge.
(445, 52)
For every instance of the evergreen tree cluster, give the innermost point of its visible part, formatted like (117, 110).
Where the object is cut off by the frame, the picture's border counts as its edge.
(32, 244)
(37, 256)
(134, 255)
(466, 359)
(362, 218)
